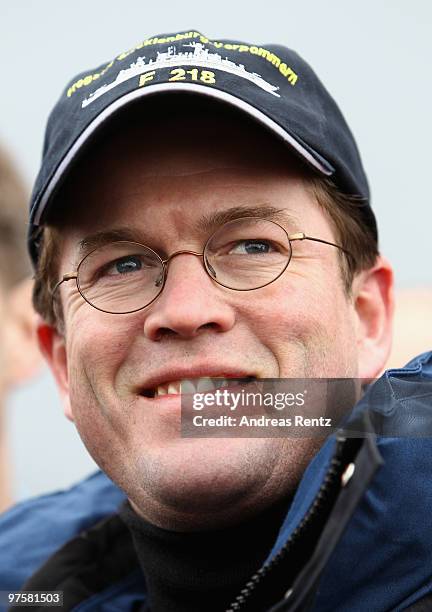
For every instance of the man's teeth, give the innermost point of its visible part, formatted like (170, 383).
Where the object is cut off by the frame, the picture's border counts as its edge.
(172, 388)
(201, 385)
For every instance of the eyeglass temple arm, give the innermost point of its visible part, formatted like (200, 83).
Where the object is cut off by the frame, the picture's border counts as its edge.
(302, 236)
(66, 277)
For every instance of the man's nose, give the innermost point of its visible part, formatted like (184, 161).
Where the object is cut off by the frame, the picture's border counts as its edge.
(190, 302)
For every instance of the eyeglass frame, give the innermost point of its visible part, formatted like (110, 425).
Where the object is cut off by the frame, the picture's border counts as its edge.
(291, 238)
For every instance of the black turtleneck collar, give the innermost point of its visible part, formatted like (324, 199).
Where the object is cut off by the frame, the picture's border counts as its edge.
(192, 572)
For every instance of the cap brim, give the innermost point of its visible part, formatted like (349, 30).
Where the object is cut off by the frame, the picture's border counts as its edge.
(311, 157)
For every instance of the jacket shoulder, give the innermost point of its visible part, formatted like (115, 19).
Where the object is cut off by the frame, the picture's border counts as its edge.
(33, 530)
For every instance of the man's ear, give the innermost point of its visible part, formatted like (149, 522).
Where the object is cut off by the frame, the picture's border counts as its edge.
(374, 305)
(23, 356)
(52, 344)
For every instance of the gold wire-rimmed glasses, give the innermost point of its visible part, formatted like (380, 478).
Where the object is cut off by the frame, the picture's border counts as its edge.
(245, 254)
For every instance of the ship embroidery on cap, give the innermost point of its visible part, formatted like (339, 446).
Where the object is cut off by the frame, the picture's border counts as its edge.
(200, 56)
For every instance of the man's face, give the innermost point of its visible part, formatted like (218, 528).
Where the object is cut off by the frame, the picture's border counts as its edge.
(158, 184)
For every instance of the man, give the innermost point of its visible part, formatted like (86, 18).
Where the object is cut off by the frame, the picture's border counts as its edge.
(19, 355)
(202, 212)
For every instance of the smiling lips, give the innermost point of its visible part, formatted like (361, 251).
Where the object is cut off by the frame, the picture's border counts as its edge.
(194, 385)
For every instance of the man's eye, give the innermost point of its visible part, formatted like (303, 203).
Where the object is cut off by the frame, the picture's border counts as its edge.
(125, 265)
(252, 247)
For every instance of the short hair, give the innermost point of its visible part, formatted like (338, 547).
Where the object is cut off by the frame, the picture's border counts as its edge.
(14, 261)
(344, 211)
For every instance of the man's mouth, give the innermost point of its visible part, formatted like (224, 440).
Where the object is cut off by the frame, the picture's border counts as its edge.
(196, 385)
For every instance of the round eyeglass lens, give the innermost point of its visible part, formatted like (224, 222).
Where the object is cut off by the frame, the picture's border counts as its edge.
(247, 253)
(120, 277)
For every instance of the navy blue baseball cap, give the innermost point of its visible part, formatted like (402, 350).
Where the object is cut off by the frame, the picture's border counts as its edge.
(271, 84)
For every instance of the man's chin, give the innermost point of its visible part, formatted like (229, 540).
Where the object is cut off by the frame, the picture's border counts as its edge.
(202, 482)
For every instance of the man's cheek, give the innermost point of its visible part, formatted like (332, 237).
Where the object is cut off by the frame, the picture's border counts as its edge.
(91, 353)
(98, 438)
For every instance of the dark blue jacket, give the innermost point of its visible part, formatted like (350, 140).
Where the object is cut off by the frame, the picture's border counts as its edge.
(358, 535)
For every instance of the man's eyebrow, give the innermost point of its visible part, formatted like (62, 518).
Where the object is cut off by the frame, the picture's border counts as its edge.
(98, 239)
(212, 221)
(206, 223)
